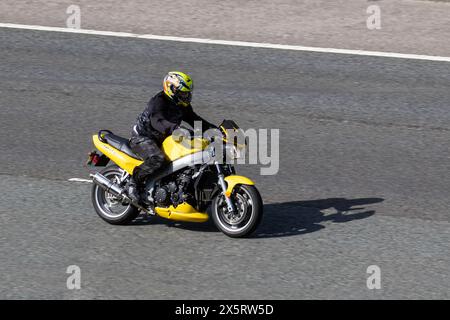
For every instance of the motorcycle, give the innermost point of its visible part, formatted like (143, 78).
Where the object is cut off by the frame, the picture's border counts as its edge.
(194, 181)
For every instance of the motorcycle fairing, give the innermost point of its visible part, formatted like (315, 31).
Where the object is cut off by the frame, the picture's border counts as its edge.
(183, 212)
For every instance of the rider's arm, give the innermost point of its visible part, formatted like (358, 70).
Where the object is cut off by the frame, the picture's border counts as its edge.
(159, 122)
(190, 117)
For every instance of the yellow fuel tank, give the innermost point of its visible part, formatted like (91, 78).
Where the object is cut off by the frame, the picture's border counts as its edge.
(177, 149)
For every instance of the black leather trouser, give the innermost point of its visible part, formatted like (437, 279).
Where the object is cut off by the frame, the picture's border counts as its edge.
(150, 152)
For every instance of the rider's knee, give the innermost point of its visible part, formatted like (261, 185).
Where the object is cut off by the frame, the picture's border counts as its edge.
(159, 160)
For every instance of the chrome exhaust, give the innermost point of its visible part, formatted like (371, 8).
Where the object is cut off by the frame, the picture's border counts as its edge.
(114, 189)
(108, 185)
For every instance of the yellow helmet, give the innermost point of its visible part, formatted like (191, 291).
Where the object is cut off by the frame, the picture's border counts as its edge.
(178, 86)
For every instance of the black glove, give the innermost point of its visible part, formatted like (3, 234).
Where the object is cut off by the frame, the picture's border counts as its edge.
(180, 132)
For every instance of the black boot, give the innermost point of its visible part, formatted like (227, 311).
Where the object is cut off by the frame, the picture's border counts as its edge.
(133, 190)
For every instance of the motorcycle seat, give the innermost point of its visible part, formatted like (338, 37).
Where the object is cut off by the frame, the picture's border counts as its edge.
(121, 144)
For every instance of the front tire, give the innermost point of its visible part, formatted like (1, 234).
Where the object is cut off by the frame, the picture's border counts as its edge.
(249, 207)
(109, 207)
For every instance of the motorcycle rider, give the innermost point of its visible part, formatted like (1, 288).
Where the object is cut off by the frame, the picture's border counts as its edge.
(163, 115)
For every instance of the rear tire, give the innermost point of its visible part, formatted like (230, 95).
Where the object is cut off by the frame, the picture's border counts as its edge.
(105, 203)
(248, 203)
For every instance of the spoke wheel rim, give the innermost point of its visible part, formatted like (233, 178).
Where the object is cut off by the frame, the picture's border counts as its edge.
(244, 207)
(109, 204)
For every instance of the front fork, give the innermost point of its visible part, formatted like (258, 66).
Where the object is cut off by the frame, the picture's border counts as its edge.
(223, 186)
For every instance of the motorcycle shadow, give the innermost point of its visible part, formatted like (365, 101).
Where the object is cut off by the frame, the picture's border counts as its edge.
(301, 217)
(289, 218)
(192, 226)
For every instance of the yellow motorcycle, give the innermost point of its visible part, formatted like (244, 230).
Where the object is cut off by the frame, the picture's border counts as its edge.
(195, 179)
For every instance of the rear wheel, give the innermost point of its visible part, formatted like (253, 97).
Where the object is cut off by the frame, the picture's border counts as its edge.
(109, 207)
(249, 212)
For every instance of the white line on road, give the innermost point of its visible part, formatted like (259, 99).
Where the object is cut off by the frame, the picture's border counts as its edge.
(79, 180)
(230, 43)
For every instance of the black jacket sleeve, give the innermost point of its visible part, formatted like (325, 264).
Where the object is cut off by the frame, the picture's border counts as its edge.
(190, 117)
(159, 121)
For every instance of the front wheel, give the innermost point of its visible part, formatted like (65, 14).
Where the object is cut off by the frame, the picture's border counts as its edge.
(249, 212)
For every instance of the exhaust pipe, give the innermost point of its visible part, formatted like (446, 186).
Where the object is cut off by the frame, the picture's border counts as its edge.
(113, 188)
(108, 185)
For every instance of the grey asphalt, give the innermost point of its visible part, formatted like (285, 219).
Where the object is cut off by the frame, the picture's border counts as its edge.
(363, 172)
(407, 26)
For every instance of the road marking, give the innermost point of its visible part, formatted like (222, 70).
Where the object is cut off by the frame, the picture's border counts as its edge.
(79, 180)
(230, 43)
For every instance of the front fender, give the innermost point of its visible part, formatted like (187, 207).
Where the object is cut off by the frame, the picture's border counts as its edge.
(233, 180)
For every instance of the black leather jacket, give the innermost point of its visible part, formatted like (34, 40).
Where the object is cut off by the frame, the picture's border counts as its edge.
(162, 116)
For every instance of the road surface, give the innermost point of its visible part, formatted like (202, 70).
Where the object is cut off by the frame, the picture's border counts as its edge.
(363, 179)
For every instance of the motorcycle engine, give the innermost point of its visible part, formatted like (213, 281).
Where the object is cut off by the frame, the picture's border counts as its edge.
(174, 191)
